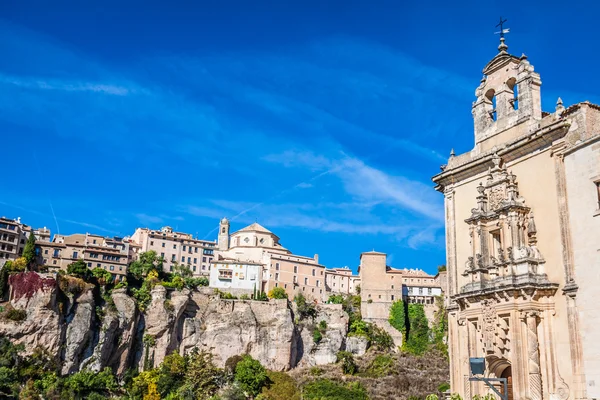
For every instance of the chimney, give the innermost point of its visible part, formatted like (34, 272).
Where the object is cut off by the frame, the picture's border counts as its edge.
(316, 258)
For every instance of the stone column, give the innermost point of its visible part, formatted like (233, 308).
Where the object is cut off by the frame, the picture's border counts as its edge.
(533, 356)
(452, 284)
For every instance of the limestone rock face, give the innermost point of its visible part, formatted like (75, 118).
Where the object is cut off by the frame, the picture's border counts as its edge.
(357, 345)
(162, 320)
(116, 335)
(79, 330)
(333, 338)
(175, 320)
(42, 326)
(226, 328)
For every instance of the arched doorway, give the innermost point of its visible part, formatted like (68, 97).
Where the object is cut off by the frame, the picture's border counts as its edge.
(507, 373)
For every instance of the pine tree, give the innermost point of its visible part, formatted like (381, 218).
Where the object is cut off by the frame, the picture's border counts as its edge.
(29, 251)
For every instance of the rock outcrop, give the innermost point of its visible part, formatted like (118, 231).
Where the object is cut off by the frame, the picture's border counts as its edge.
(85, 331)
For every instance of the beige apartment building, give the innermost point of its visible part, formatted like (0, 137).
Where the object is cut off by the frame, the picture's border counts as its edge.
(111, 254)
(522, 290)
(256, 244)
(13, 236)
(341, 281)
(175, 247)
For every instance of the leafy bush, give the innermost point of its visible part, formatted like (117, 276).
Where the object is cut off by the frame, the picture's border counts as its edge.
(281, 387)
(193, 283)
(376, 336)
(79, 269)
(121, 284)
(323, 325)
(335, 299)
(278, 293)
(315, 371)
(142, 296)
(251, 375)
(71, 285)
(305, 309)
(244, 297)
(317, 336)
(14, 314)
(346, 359)
(327, 389)
(382, 365)
(224, 295)
(443, 387)
(202, 378)
(103, 276)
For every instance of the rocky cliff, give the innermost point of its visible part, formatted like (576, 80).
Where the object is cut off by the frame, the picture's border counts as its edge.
(84, 329)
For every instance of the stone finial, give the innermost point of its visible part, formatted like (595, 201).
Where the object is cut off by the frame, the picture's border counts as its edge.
(503, 46)
(531, 229)
(452, 152)
(559, 106)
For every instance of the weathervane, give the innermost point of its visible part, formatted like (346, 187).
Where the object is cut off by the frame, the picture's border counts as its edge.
(502, 30)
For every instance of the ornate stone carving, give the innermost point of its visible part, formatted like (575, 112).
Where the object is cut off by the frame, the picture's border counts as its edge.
(488, 311)
(496, 197)
(533, 355)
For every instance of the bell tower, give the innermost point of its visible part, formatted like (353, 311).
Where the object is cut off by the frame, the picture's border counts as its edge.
(223, 238)
(508, 97)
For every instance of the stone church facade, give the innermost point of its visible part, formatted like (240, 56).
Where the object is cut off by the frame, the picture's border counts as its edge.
(523, 240)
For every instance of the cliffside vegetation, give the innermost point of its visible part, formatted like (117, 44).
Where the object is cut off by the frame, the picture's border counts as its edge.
(417, 336)
(420, 369)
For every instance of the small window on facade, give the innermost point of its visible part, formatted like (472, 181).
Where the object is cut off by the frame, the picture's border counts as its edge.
(174, 246)
(75, 254)
(285, 286)
(90, 265)
(379, 296)
(295, 269)
(276, 276)
(277, 266)
(597, 183)
(163, 245)
(392, 286)
(306, 281)
(183, 248)
(313, 272)
(392, 297)
(276, 284)
(112, 267)
(195, 261)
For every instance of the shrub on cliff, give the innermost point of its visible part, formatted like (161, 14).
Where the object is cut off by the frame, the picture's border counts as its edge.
(278, 293)
(281, 387)
(79, 269)
(305, 308)
(14, 314)
(346, 360)
(251, 375)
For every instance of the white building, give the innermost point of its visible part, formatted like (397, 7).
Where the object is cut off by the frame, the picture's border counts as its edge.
(236, 277)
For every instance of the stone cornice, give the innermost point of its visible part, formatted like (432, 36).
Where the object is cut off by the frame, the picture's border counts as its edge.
(525, 144)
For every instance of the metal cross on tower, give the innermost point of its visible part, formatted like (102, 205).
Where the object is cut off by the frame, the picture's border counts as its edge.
(502, 30)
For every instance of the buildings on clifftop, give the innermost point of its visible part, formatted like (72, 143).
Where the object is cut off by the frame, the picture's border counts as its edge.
(522, 290)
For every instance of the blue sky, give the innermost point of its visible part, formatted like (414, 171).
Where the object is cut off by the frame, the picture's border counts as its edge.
(323, 121)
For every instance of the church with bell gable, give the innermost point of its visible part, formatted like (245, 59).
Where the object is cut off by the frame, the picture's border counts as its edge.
(523, 240)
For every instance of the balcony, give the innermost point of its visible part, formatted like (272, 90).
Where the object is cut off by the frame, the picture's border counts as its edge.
(225, 274)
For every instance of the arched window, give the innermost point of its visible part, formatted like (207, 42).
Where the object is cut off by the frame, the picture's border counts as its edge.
(491, 96)
(512, 85)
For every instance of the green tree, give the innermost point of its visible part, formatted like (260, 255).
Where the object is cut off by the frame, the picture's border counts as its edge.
(278, 293)
(4, 273)
(251, 375)
(335, 299)
(146, 262)
(29, 251)
(202, 378)
(172, 374)
(103, 276)
(79, 269)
